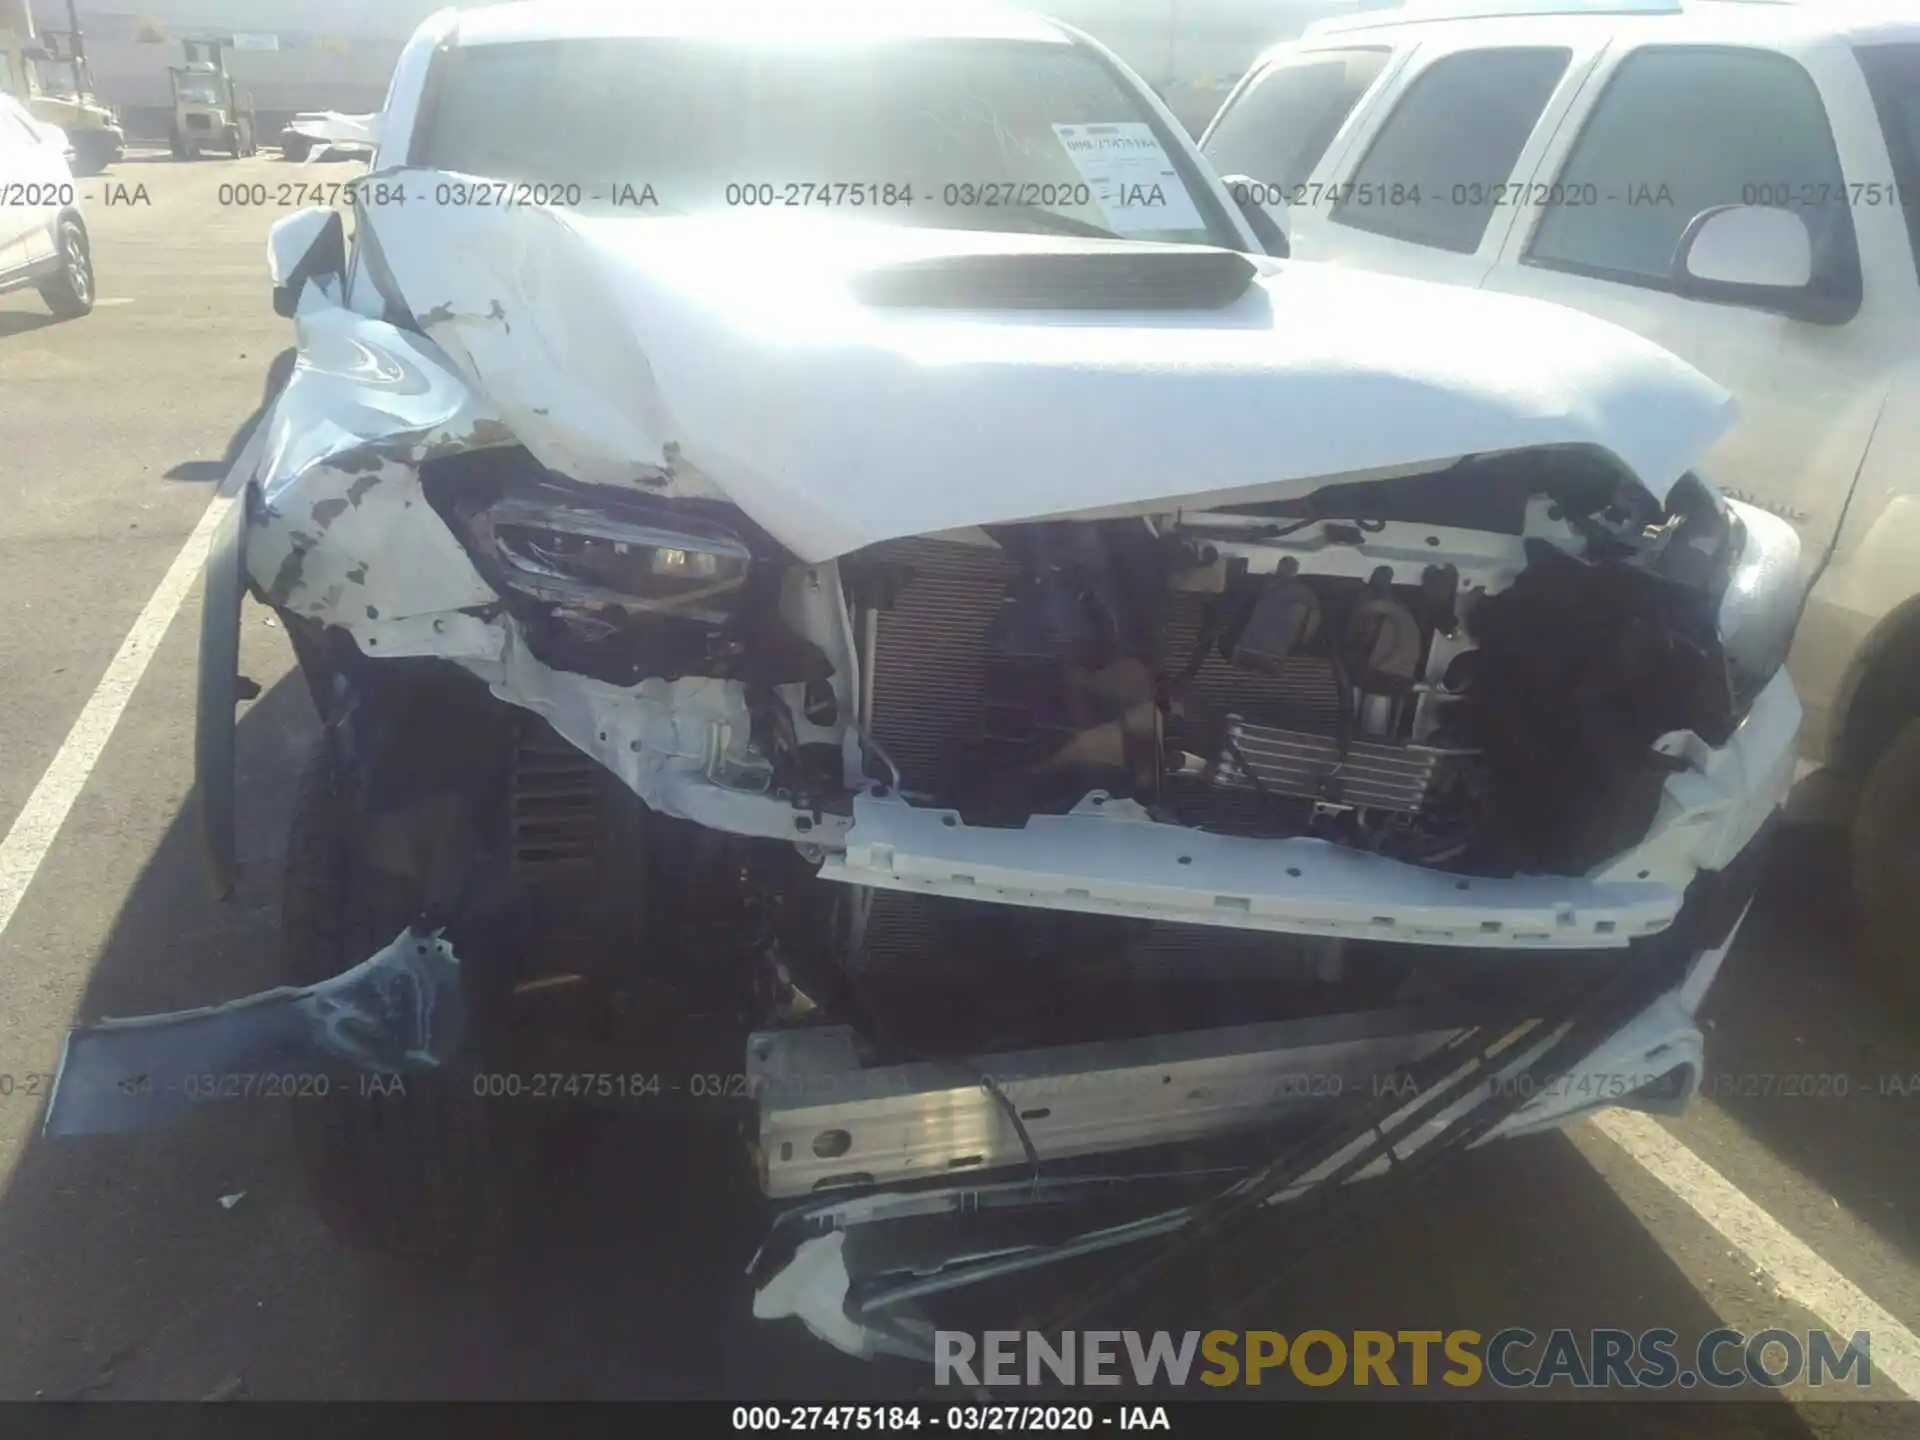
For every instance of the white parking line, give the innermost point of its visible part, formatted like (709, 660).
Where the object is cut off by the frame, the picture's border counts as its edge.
(33, 830)
(1800, 1275)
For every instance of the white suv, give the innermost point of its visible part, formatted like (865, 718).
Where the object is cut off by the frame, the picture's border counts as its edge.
(1739, 182)
(43, 240)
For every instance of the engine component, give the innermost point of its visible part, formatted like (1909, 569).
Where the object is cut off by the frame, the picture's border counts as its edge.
(1581, 668)
(1283, 622)
(999, 693)
(1306, 766)
(1380, 646)
(936, 685)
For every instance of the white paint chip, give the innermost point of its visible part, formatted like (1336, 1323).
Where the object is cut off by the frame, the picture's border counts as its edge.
(1795, 1270)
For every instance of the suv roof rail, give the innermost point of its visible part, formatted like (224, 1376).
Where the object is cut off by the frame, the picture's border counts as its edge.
(1416, 10)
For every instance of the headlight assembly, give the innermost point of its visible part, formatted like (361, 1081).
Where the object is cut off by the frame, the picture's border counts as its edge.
(1761, 606)
(563, 553)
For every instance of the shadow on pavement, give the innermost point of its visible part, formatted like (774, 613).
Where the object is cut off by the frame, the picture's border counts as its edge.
(1807, 1055)
(279, 369)
(23, 322)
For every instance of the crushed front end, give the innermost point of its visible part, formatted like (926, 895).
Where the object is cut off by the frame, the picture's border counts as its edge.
(1128, 809)
(1233, 854)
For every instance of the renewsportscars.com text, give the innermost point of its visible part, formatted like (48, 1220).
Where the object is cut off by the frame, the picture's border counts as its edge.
(1512, 1358)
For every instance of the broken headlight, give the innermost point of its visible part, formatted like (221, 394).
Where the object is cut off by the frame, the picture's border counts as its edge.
(569, 555)
(1761, 604)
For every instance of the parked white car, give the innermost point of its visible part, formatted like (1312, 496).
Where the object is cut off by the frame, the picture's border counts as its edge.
(43, 239)
(1739, 182)
(838, 578)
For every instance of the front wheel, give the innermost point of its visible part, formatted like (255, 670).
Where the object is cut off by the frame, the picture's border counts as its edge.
(419, 1169)
(69, 291)
(1886, 863)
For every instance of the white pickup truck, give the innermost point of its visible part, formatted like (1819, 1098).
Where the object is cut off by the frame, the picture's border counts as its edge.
(838, 576)
(1739, 182)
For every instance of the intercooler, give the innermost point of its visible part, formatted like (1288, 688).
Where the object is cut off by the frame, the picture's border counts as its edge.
(929, 673)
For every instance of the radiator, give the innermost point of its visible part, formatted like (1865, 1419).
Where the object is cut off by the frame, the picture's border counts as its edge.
(929, 680)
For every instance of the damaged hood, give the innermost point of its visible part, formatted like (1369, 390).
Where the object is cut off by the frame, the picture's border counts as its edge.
(847, 382)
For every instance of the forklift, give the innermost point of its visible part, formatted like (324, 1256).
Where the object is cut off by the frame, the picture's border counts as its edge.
(49, 74)
(206, 110)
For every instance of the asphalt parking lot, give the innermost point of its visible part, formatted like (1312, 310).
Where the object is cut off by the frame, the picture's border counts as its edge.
(131, 1271)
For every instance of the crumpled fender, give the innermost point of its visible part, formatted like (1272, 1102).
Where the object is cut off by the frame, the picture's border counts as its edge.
(327, 519)
(331, 535)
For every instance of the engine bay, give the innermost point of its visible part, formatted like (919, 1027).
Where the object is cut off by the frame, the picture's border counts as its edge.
(1465, 670)
(1478, 707)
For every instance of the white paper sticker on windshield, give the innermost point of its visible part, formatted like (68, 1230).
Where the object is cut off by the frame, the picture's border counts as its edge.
(1131, 176)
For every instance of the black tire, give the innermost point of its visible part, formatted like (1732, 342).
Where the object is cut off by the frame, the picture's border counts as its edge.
(176, 145)
(235, 145)
(92, 152)
(1886, 864)
(69, 290)
(296, 148)
(427, 1173)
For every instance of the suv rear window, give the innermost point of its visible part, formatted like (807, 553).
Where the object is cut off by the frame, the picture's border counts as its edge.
(1893, 75)
(1434, 172)
(1278, 128)
(1679, 130)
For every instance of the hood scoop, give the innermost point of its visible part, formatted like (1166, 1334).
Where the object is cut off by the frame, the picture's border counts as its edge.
(1125, 278)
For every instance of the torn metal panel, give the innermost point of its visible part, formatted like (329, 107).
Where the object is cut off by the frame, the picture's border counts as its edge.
(400, 1010)
(625, 350)
(812, 1288)
(684, 746)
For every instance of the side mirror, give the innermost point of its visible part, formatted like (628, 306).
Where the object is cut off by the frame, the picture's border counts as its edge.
(1266, 212)
(1758, 255)
(308, 245)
